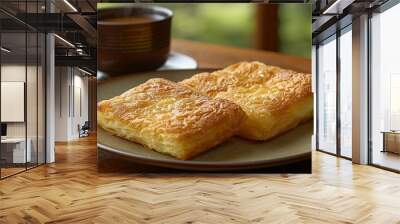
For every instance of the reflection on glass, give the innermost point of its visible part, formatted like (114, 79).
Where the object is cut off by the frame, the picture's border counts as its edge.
(327, 96)
(394, 101)
(345, 94)
(15, 150)
(22, 92)
(385, 114)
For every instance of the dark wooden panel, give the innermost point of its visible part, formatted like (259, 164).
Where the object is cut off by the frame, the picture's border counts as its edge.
(266, 34)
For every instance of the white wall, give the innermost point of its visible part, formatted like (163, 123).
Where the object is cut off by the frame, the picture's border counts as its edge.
(12, 73)
(80, 110)
(70, 83)
(33, 127)
(62, 81)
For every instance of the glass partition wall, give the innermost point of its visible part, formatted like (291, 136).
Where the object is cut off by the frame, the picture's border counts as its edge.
(334, 106)
(13, 90)
(22, 99)
(334, 94)
(326, 52)
(345, 95)
(385, 89)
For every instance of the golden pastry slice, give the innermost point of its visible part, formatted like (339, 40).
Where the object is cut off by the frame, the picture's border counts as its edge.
(170, 118)
(274, 99)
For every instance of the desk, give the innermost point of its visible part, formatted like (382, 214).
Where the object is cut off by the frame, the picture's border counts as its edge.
(13, 150)
(391, 141)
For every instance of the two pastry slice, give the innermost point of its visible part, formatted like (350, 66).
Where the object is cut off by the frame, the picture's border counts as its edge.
(275, 100)
(251, 99)
(170, 118)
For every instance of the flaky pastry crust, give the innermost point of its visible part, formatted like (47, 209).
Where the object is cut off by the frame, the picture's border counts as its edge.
(170, 118)
(274, 99)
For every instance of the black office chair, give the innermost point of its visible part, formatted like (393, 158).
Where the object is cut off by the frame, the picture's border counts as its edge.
(84, 130)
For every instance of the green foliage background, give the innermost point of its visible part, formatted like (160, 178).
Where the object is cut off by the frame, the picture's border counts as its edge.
(295, 29)
(228, 24)
(234, 24)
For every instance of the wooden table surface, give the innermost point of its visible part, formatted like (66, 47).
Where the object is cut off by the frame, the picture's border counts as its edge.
(218, 56)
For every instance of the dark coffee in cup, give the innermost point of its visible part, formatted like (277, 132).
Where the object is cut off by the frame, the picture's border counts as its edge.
(132, 39)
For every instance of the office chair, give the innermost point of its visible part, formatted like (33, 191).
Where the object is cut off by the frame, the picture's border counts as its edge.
(84, 130)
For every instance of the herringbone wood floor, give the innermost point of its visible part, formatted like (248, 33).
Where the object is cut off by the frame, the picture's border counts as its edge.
(72, 191)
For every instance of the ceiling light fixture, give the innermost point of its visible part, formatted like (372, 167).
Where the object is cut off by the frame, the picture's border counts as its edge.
(337, 7)
(5, 50)
(70, 5)
(65, 41)
(79, 51)
(331, 7)
(84, 71)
